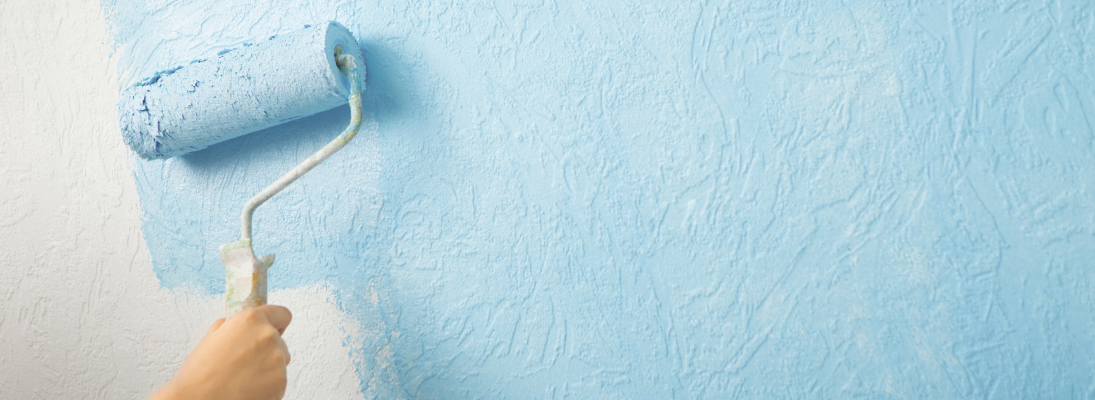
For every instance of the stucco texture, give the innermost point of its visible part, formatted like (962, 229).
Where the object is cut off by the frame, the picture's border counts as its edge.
(82, 313)
(655, 200)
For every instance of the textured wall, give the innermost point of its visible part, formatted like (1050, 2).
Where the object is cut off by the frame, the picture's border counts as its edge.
(614, 199)
(82, 315)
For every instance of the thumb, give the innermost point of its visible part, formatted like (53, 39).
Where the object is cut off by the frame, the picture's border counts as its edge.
(278, 316)
(216, 325)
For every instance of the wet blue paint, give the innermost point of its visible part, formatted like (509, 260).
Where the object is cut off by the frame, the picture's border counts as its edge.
(240, 91)
(640, 200)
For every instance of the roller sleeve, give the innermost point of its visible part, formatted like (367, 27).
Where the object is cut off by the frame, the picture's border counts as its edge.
(251, 88)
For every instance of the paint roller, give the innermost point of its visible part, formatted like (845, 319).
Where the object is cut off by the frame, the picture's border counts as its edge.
(240, 91)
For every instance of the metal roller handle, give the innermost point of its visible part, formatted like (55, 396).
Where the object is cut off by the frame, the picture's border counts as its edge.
(245, 280)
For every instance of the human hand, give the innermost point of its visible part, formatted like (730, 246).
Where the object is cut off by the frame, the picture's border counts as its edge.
(242, 358)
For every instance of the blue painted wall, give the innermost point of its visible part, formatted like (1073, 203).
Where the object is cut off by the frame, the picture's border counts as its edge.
(626, 199)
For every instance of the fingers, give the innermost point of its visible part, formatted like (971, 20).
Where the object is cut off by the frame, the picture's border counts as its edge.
(284, 350)
(278, 316)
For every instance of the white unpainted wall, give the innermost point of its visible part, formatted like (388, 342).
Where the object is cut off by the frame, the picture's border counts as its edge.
(82, 315)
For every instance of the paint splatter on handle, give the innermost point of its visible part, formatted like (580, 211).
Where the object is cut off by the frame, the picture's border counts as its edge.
(245, 283)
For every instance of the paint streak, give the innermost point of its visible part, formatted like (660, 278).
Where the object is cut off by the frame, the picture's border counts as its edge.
(658, 200)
